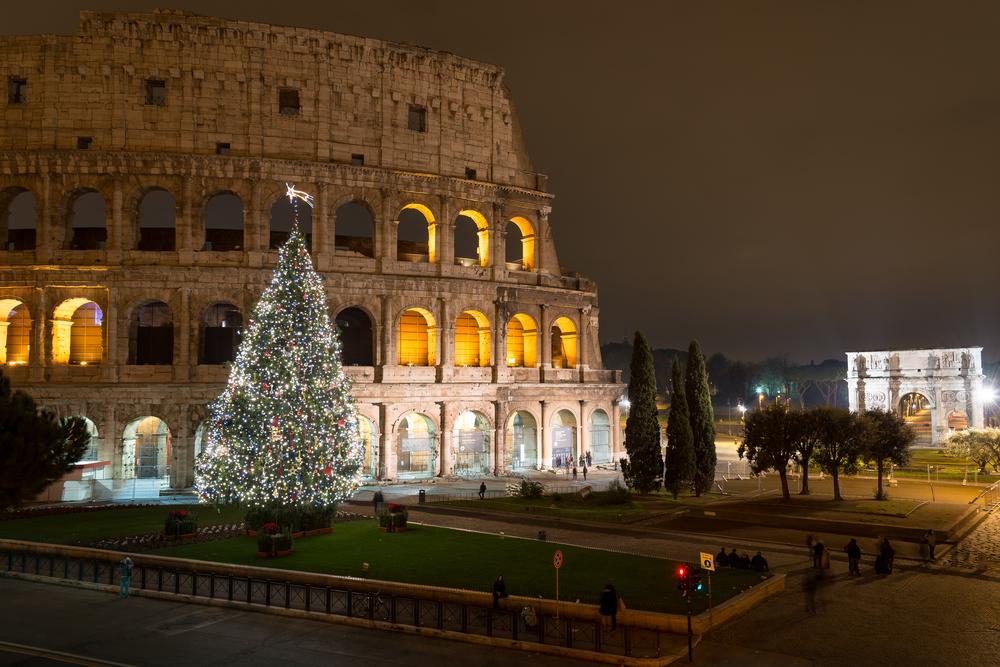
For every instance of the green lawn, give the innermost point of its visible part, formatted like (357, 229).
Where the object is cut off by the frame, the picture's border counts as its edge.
(87, 527)
(943, 467)
(568, 506)
(459, 559)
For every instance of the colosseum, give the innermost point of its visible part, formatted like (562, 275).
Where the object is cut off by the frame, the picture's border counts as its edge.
(143, 163)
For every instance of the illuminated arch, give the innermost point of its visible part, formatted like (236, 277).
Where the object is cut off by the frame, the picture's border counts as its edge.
(562, 427)
(417, 338)
(482, 232)
(15, 332)
(600, 436)
(77, 333)
(416, 235)
(521, 446)
(522, 341)
(470, 444)
(416, 446)
(145, 449)
(369, 447)
(91, 453)
(523, 252)
(563, 340)
(472, 339)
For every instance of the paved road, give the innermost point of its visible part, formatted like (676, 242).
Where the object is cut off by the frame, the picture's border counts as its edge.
(142, 631)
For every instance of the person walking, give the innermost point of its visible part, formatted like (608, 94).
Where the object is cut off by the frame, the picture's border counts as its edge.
(930, 539)
(125, 578)
(853, 550)
(574, 471)
(482, 490)
(609, 606)
(499, 591)
(818, 549)
(585, 472)
(590, 462)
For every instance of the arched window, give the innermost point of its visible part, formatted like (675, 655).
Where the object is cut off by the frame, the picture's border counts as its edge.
(416, 446)
(471, 445)
(221, 331)
(600, 437)
(200, 439)
(151, 335)
(563, 338)
(283, 217)
(916, 412)
(520, 248)
(417, 338)
(145, 450)
(416, 234)
(355, 229)
(18, 218)
(472, 339)
(522, 341)
(563, 430)
(91, 453)
(156, 219)
(224, 222)
(521, 447)
(356, 337)
(88, 222)
(472, 239)
(15, 332)
(77, 333)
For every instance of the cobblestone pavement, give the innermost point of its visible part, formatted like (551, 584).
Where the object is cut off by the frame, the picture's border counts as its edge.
(980, 549)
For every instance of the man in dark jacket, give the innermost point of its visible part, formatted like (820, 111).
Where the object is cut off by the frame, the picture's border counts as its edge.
(853, 550)
(499, 591)
(721, 559)
(758, 563)
(609, 604)
(482, 490)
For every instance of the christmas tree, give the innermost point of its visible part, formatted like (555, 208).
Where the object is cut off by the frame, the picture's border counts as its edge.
(284, 433)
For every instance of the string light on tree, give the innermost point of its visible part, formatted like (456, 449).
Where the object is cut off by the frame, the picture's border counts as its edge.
(284, 432)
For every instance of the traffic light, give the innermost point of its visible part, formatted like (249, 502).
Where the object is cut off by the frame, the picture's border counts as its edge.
(683, 579)
(697, 585)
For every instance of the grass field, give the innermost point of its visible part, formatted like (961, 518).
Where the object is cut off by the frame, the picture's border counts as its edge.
(460, 559)
(87, 527)
(568, 506)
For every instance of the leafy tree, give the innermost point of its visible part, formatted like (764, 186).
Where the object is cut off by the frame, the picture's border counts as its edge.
(699, 401)
(644, 467)
(769, 441)
(808, 433)
(678, 467)
(36, 448)
(981, 445)
(886, 439)
(840, 439)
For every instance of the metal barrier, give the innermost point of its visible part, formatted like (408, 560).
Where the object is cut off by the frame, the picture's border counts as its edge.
(438, 609)
(989, 497)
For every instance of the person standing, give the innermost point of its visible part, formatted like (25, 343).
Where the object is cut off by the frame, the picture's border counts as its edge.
(888, 554)
(377, 501)
(930, 539)
(482, 490)
(125, 578)
(853, 550)
(818, 548)
(590, 462)
(609, 605)
(574, 471)
(585, 472)
(499, 591)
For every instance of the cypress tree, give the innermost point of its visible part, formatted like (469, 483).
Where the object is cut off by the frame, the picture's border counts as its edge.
(702, 420)
(679, 464)
(642, 430)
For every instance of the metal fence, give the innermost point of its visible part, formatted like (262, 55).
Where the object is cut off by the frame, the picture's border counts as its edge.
(990, 497)
(435, 611)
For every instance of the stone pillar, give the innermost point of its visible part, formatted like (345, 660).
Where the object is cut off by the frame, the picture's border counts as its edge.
(256, 231)
(3, 342)
(186, 233)
(390, 356)
(499, 439)
(616, 436)
(182, 348)
(322, 231)
(584, 430)
(446, 234)
(38, 360)
(446, 326)
(446, 463)
(387, 450)
(500, 372)
(110, 331)
(498, 243)
(116, 234)
(61, 332)
(544, 439)
(44, 225)
(544, 337)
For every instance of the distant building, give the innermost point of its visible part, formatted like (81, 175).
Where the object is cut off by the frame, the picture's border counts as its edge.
(935, 391)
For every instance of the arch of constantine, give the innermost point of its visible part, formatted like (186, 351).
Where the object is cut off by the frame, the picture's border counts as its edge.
(935, 391)
(143, 163)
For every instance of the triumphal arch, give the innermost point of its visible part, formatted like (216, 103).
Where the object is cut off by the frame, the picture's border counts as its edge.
(935, 391)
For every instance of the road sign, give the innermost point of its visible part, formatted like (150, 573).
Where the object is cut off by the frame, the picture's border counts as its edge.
(557, 559)
(707, 562)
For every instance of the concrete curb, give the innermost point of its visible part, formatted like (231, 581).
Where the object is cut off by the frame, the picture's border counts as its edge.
(548, 649)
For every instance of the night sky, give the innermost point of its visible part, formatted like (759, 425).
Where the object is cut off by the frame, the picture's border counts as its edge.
(772, 178)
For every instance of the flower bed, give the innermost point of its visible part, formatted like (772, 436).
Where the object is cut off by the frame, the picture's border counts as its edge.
(180, 523)
(272, 542)
(393, 520)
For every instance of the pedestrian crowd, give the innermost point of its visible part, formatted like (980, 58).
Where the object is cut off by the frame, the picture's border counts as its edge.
(742, 561)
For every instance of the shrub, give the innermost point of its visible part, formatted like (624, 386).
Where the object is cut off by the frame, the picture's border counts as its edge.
(294, 518)
(180, 522)
(526, 489)
(394, 518)
(616, 494)
(271, 543)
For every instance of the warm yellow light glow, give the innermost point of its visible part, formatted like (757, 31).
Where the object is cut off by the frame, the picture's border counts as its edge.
(432, 252)
(483, 250)
(472, 339)
(522, 341)
(77, 332)
(417, 338)
(563, 343)
(15, 332)
(527, 242)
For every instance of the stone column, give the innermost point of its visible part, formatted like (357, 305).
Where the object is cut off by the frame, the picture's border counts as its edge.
(544, 439)
(446, 234)
(255, 229)
(44, 231)
(499, 439)
(616, 439)
(544, 337)
(322, 231)
(186, 236)
(584, 430)
(498, 242)
(38, 360)
(500, 371)
(111, 360)
(182, 360)
(387, 452)
(116, 234)
(446, 464)
(446, 339)
(387, 341)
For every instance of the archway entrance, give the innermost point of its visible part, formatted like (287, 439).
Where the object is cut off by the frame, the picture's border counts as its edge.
(366, 431)
(915, 409)
(600, 437)
(471, 445)
(416, 447)
(145, 449)
(521, 448)
(563, 429)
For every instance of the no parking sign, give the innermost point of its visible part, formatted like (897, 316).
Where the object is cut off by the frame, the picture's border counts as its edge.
(707, 562)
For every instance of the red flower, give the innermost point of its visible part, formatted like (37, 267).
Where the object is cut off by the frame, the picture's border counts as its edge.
(395, 507)
(270, 528)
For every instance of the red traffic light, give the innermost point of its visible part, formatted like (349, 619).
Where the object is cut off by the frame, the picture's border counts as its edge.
(681, 571)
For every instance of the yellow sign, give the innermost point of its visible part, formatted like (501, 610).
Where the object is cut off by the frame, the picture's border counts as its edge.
(707, 561)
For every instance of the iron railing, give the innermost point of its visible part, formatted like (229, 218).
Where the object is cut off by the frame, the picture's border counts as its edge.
(415, 606)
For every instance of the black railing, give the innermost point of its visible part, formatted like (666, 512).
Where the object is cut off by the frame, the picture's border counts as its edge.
(434, 611)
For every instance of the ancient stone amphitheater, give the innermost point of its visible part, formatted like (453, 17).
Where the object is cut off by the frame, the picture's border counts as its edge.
(142, 167)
